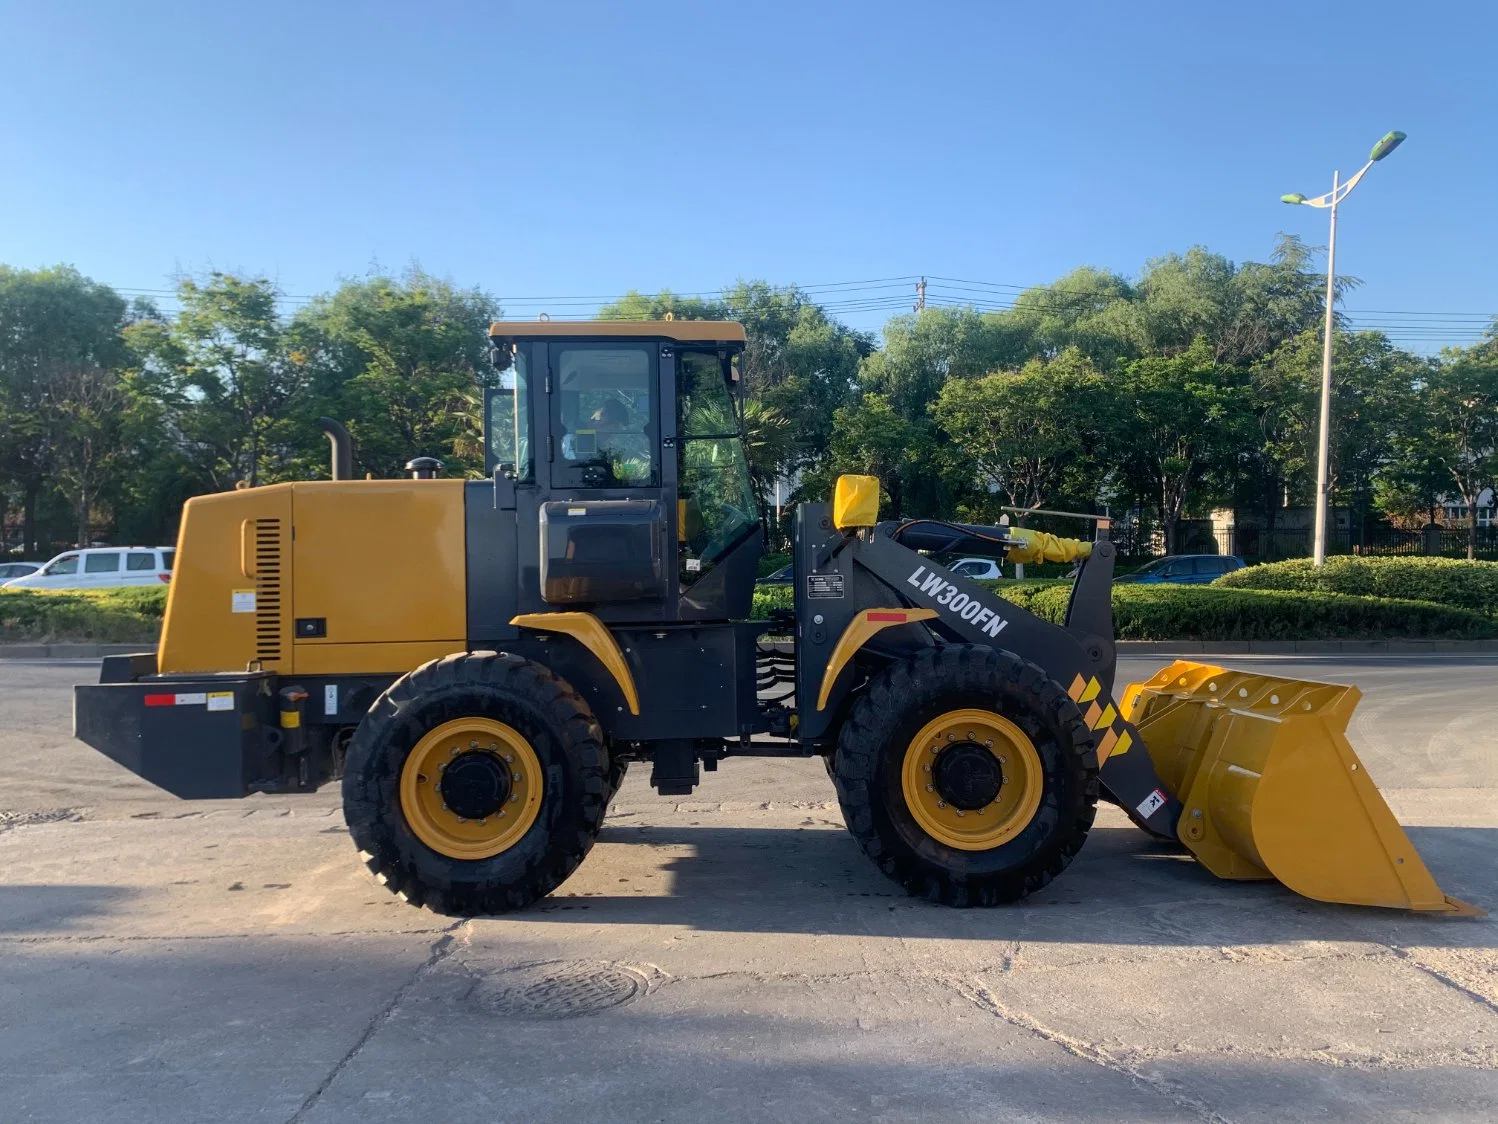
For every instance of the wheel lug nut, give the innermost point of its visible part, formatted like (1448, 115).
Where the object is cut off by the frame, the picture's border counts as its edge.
(960, 812)
(951, 737)
(989, 743)
(927, 768)
(930, 788)
(941, 803)
(514, 796)
(509, 757)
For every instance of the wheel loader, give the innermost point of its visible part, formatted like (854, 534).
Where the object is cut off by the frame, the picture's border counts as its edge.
(478, 662)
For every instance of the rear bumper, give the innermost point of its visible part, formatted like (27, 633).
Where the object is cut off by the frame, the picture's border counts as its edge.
(197, 737)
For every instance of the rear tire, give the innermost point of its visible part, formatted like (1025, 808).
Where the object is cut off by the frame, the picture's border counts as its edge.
(1033, 822)
(425, 852)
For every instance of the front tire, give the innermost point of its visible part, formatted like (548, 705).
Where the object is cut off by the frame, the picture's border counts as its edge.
(967, 775)
(476, 784)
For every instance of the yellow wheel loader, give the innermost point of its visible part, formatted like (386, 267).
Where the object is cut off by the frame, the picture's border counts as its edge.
(478, 661)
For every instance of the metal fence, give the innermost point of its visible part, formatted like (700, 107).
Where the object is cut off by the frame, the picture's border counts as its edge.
(1255, 544)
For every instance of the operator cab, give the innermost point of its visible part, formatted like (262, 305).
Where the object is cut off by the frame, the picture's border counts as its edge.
(623, 441)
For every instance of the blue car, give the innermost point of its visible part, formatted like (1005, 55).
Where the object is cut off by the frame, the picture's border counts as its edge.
(1184, 569)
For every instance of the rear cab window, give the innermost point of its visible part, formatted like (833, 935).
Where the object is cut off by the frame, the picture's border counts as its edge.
(140, 560)
(166, 559)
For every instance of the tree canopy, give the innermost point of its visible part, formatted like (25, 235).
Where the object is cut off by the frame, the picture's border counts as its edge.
(1191, 385)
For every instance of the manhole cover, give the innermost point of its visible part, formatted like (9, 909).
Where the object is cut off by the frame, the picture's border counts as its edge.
(26, 819)
(560, 990)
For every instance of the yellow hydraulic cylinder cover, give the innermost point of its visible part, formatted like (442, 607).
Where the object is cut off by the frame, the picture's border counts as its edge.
(1271, 788)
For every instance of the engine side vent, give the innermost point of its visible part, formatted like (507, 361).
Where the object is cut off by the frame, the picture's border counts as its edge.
(268, 612)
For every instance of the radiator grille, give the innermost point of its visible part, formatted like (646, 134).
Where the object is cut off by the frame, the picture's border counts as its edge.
(268, 591)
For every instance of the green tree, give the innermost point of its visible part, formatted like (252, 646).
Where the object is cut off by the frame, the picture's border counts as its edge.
(871, 437)
(402, 361)
(223, 365)
(58, 330)
(1460, 400)
(1023, 432)
(1373, 390)
(1093, 310)
(1177, 421)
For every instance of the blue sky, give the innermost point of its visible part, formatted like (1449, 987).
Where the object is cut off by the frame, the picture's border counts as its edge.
(551, 150)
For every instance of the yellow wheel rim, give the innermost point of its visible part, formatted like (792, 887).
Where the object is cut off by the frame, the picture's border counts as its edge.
(425, 803)
(997, 822)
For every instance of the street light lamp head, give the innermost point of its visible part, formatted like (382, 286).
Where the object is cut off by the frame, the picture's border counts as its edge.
(1296, 198)
(1387, 144)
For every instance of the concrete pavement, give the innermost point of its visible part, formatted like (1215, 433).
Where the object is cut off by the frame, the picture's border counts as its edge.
(732, 956)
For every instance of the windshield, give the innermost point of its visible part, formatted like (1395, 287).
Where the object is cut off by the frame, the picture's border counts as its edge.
(718, 509)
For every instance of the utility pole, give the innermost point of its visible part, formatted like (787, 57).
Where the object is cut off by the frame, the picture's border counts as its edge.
(920, 294)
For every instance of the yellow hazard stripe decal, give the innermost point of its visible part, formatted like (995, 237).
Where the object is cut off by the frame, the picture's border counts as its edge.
(1084, 690)
(1106, 718)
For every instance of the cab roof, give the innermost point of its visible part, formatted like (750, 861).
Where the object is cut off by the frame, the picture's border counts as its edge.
(683, 331)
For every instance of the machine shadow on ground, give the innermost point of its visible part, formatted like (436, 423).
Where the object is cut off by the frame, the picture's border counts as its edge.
(1124, 888)
(52, 908)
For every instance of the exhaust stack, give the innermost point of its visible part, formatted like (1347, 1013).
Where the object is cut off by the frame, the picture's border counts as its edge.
(343, 448)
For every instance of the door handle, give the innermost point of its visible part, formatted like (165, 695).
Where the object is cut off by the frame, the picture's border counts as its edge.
(247, 548)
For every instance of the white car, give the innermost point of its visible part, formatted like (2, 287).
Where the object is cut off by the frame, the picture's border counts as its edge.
(985, 569)
(102, 568)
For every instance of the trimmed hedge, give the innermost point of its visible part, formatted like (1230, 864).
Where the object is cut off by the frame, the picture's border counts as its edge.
(1140, 612)
(1445, 581)
(108, 616)
(1197, 612)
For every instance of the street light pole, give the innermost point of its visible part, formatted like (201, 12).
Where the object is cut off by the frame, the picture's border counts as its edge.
(1323, 439)
(1340, 191)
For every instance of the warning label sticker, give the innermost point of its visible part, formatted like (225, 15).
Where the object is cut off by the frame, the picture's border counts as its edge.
(242, 600)
(824, 585)
(221, 700)
(1151, 804)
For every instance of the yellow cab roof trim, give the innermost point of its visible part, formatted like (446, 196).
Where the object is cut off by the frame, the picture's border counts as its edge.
(685, 331)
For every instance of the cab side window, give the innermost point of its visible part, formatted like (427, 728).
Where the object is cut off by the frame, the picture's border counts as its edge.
(603, 417)
(67, 564)
(140, 560)
(101, 563)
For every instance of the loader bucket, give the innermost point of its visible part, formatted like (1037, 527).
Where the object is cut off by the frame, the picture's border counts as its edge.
(1270, 787)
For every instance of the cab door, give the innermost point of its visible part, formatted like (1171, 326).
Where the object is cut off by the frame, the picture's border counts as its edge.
(605, 512)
